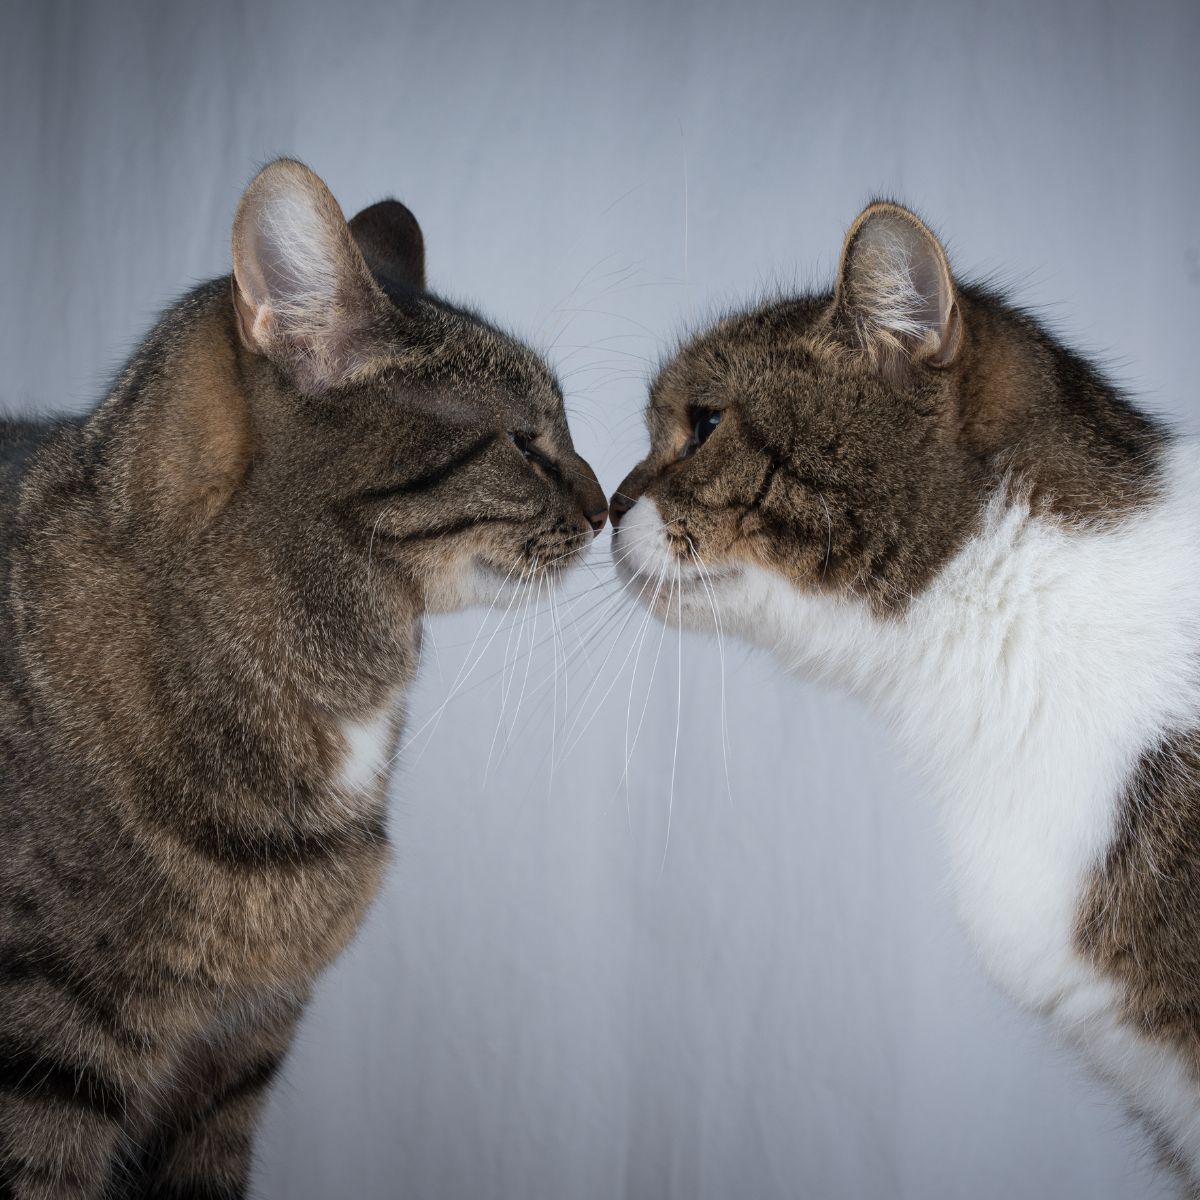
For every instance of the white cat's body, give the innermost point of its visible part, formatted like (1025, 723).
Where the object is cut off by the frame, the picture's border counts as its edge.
(1025, 684)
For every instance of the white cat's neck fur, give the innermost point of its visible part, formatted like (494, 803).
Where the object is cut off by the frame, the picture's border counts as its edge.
(1025, 684)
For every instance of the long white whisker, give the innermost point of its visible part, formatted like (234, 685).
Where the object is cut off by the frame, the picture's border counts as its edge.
(507, 685)
(678, 718)
(712, 603)
(554, 705)
(575, 734)
(525, 680)
(463, 674)
(630, 747)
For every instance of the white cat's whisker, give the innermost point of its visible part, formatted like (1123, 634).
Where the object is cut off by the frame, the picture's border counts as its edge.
(716, 612)
(630, 747)
(573, 737)
(678, 715)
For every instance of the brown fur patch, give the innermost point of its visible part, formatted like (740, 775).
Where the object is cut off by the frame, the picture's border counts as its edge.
(1140, 921)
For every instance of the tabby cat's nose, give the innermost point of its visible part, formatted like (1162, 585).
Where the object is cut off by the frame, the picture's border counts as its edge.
(589, 495)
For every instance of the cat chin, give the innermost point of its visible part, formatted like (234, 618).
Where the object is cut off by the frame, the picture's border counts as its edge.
(676, 591)
(479, 583)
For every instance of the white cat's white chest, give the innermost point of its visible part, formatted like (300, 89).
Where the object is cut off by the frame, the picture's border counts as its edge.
(1021, 869)
(1026, 685)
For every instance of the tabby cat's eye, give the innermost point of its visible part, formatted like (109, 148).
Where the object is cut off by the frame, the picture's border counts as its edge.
(704, 421)
(523, 442)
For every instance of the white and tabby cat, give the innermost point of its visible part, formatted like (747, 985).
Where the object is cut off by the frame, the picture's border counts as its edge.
(911, 488)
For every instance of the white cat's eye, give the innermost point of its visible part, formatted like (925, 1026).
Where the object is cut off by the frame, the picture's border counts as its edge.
(704, 421)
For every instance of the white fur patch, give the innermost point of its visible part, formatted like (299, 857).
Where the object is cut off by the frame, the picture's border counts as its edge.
(1025, 684)
(370, 745)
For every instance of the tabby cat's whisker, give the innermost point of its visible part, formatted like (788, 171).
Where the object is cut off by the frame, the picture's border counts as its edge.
(508, 677)
(542, 686)
(555, 645)
(463, 674)
(503, 669)
(371, 545)
(528, 665)
(610, 618)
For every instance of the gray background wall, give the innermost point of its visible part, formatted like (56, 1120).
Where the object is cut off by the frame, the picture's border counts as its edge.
(553, 998)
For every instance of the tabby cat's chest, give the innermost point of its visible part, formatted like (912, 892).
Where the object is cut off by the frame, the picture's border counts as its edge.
(369, 749)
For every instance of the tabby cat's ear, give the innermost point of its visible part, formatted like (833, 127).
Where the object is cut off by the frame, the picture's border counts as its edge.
(304, 296)
(392, 243)
(895, 293)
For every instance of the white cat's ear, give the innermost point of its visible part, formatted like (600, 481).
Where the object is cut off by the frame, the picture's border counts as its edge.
(304, 296)
(895, 292)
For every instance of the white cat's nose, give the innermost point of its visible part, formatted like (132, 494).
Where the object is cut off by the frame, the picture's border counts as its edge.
(626, 496)
(618, 506)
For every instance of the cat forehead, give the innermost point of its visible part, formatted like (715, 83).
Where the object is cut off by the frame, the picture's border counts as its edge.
(458, 354)
(746, 352)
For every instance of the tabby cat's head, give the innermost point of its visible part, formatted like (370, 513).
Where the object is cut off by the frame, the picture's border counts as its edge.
(337, 417)
(843, 446)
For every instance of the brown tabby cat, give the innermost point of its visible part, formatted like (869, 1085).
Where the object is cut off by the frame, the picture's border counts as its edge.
(912, 488)
(211, 595)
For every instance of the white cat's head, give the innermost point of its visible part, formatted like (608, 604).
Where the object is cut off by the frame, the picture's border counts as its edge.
(815, 462)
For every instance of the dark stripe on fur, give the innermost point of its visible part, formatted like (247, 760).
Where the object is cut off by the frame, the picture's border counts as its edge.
(435, 475)
(19, 966)
(198, 1190)
(58, 1181)
(25, 1073)
(283, 847)
(445, 530)
(251, 1083)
